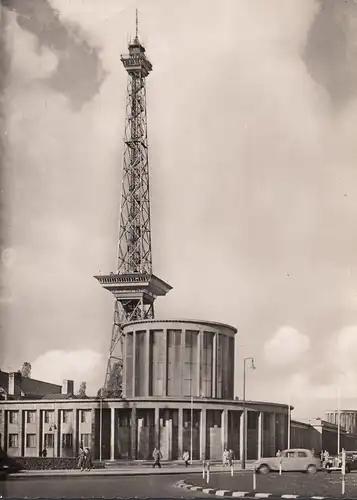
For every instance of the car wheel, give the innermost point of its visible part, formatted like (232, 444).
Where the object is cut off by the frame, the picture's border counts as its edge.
(312, 469)
(263, 469)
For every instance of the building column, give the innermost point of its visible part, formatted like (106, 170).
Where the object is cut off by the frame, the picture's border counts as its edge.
(180, 432)
(203, 425)
(199, 353)
(165, 364)
(148, 363)
(112, 433)
(182, 360)
(21, 432)
(75, 432)
(260, 435)
(39, 446)
(241, 435)
(224, 427)
(57, 433)
(157, 427)
(214, 365)
(272, 434)
(93, 443)
(134, 363)
(133, 433)
(125, 367)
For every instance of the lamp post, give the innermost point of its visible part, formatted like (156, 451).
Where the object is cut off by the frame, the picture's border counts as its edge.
(244, 451)
(191, 443)
(289, 421)
(338, 418)
(101, 425)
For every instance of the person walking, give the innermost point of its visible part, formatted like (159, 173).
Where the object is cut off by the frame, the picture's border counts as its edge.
(81, 458)
(186, 457)
(87, 459)
(278, 453)
(44, 453)
(225, 457)
(230, 457)
(156, 454)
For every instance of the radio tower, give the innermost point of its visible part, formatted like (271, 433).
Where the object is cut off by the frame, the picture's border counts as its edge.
(134, 286)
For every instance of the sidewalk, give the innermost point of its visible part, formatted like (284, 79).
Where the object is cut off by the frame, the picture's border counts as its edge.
(126, 470)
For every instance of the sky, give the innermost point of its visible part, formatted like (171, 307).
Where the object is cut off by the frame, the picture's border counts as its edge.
(251, 107)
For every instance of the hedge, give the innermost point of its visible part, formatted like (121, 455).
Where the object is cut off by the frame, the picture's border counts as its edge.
(41, 463)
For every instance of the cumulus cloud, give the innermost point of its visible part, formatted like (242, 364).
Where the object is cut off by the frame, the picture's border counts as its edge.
(286, 346)
(81, 365)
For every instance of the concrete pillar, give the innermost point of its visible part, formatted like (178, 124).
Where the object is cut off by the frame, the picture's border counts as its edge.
(224, 427)
(112, 433)
(148, 364)
(57, 433)
(157, 427)
(180, 432)
(21, 432)
(182, 359)
(214, 365)
(125, 367)
(133, 433)
(134, 363)
(260, 435)
(241, 434)
(75, 432)
(165, 363)
(39, 446)
(93, 443)
(199, 353)
(272, 434)
(203, 430)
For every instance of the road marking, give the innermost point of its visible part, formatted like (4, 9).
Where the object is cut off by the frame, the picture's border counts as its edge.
(196, 488)
(222, 493)
(318, 498)
(240, 493)
(263, 495)
(208, 490)
(291, 496)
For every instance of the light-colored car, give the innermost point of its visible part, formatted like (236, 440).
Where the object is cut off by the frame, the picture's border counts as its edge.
(293, 460)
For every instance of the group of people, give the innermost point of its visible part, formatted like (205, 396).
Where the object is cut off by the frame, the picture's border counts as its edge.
(84, 459)
(228, 457)
(157, 456)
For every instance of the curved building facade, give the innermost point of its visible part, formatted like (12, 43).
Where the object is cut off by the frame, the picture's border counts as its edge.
(178, 359)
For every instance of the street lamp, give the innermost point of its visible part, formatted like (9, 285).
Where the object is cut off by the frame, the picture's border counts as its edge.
(101, 424)
(244, 451)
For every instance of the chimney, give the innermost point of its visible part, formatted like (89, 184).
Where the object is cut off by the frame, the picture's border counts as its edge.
(68, 387)
(14, 384)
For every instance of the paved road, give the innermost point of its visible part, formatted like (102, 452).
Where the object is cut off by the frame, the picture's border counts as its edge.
(110, 487)
(321, 484)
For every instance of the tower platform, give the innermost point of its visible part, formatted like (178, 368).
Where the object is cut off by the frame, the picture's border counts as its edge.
(128, 284)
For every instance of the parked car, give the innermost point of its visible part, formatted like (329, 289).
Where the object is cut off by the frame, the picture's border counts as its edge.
(8, 465)
(334, 463)
(293, 460)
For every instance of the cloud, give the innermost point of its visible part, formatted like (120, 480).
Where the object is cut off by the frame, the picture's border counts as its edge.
(286, 346)
(81, 365)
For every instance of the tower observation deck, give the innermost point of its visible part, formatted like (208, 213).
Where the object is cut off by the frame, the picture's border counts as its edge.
(134, 286)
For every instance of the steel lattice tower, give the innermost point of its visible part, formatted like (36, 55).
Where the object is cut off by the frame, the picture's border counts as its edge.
(134, 286)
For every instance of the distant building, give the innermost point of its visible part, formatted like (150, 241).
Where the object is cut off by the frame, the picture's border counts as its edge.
(348, 419)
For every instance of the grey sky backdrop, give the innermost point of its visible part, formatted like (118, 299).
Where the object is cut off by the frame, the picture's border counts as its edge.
(252, 113)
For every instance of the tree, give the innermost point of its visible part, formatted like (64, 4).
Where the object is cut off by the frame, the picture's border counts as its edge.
(82, 390)
(114, 388)
(26, 370)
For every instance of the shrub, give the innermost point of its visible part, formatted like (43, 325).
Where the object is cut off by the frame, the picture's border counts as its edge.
(41, 463)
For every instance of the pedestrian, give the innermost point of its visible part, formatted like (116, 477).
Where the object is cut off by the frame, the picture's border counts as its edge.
(87, 459)
(186, 457)
(156, 454)
(230, 457)
(225, 457)
(81, 458)
(326, 457)
(278, 453)
(44, 453)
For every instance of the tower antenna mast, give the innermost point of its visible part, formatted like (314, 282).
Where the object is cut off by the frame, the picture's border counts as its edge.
(134, 286)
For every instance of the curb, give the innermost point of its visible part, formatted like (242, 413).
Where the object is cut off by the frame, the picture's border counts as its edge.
(243, 494)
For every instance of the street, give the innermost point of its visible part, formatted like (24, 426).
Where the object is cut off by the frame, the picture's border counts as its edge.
(160, 485)
(321, 484)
